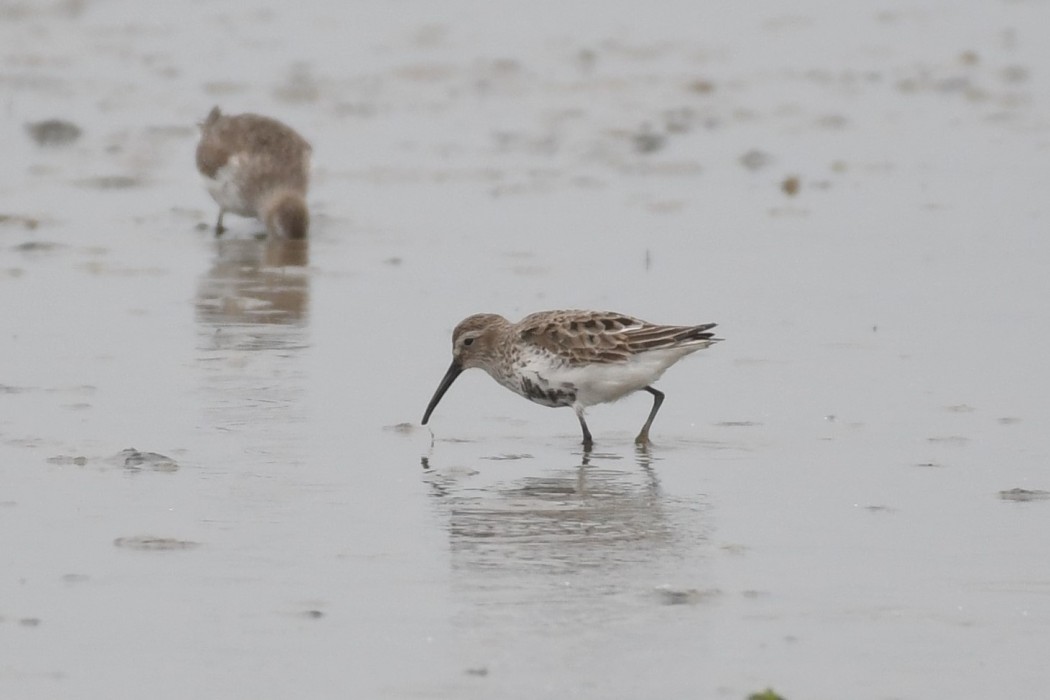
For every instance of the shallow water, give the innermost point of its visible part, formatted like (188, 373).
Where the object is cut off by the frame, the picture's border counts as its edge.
(822, 510)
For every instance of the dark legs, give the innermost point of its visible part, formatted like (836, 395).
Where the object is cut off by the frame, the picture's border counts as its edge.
(643, 436)
(658, 398)
(218, 224)
(588, 442)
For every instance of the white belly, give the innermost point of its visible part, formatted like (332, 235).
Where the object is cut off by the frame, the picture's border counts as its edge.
(226, 191)
(601, 382)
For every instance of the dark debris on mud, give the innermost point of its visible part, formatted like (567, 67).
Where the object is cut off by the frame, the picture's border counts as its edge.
(137, 461)
(53, 132)
(767, 694)
(149, 543)
(668, 595)
(26, 222)
(1024, 495)
(68, 460)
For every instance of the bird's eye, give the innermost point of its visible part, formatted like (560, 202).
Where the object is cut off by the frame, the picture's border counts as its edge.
(468, 341)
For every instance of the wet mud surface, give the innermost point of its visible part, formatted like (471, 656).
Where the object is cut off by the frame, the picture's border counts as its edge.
(215, 483)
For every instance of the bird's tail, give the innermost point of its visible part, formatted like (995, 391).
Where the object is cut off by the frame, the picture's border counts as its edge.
(655, 337)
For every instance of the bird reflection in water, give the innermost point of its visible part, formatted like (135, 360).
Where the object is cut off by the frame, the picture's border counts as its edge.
(601, 512)
(539, 549)
(252, 311)
(256, 282)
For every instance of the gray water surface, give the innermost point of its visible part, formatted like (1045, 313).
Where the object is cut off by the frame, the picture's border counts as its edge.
(213, 483)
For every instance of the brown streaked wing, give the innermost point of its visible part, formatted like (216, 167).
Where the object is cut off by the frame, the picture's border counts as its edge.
(254, 133)
(652, 337)
(580, 337)
(275, 147)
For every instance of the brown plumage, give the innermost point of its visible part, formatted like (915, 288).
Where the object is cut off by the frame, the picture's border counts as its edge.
(603, 337)
(258, 167)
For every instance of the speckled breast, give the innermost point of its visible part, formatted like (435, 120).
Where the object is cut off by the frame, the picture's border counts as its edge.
(538, 390)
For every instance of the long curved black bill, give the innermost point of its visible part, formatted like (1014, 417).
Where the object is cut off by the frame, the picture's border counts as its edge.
(450, 376)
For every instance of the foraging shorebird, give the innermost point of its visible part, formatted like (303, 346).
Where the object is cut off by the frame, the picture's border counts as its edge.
(572, 358)
(258, 167)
